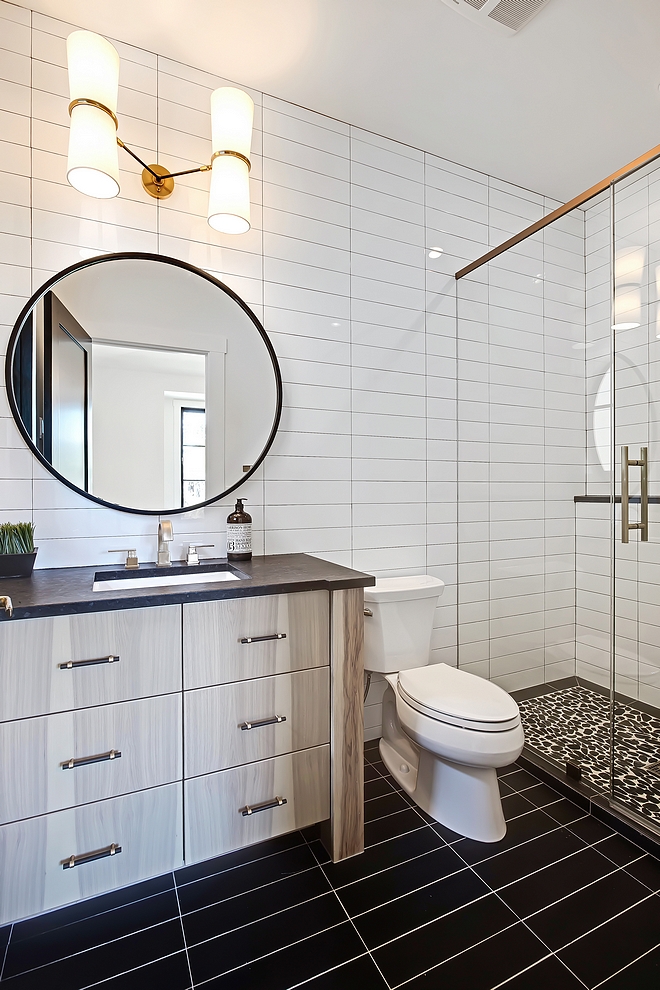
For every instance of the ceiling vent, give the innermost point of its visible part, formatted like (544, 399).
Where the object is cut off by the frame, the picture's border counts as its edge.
(504, 16)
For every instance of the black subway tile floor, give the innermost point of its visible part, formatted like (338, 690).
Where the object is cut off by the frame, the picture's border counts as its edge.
(562, 902)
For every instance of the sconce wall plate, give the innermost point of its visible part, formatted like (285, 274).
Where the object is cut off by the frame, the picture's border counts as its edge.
(158, 188)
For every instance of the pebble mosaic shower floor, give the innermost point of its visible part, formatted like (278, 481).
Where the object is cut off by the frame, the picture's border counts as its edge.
(574, 724)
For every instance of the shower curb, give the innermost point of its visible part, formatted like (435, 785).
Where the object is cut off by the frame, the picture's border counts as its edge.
(591, 801)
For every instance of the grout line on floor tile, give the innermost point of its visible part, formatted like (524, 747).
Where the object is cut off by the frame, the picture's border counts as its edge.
(385, 869)
(515, 976)
(627, 966)
(456, 954)
(606, 922)
(4, 954)
(260, 886)
(266, 955)
(332, 969)
(606, 838)
(431, 921)
(591, 883)
(367, 949)
(536, 936)
(423, 886)
(248, 862)
(135, 969)
(410, 831)
(87, 917)
(183, 932)
(526, 876)
(265, 917)
(97, 945)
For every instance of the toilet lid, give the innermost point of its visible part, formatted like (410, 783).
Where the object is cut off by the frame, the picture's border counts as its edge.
(441, 691)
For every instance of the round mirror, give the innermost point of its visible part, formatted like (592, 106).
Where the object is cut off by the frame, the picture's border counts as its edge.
(143, 383)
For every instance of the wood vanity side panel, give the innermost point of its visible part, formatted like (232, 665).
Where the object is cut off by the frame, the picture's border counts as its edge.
(212, 632)
(214, 823)
(147, 640)
(214, 715)
(344, 834)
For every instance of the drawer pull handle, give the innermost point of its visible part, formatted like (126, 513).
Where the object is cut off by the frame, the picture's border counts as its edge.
(263, 721)
(263, 639)
(70, 664)
(83, 761)
(111, 850)
(264, 806)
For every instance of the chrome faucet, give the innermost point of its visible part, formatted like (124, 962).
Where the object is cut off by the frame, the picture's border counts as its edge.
(165, 537)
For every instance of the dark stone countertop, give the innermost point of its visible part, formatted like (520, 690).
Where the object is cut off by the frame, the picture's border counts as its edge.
(68, 590)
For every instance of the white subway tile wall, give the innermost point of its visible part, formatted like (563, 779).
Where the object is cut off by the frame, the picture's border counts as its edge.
(521, 448)
(403, 448)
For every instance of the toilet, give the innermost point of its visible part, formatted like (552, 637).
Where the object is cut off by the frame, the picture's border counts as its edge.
(445, 731)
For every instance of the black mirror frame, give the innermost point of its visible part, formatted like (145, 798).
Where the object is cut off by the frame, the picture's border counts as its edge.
(137, 256)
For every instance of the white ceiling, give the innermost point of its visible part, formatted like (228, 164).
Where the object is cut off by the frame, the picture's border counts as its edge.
(569, 99)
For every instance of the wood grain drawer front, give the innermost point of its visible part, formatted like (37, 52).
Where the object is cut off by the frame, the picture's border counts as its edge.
(33, 653)
(133, 745)
(215, 823)
(213, 632)
(233, 724)
(146, 825)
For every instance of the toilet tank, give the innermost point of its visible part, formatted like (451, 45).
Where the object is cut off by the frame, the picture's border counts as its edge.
(398, 634)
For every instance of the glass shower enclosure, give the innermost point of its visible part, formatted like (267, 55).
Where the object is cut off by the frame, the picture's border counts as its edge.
(558, 349)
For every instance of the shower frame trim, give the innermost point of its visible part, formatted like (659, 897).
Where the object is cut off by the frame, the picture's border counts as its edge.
(561, 211)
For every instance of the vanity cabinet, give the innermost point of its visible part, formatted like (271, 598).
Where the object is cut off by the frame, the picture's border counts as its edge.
(257, 712)
(240, 638)
(247, 804)
(72, 758)
(136, 740)
(114, 843)
(231, 724)
(76, 661)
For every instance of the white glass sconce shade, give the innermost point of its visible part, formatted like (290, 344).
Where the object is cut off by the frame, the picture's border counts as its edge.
(93, 163)
(229, 196)
(232, 113)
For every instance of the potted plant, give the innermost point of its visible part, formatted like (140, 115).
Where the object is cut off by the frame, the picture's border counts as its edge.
(17, 551)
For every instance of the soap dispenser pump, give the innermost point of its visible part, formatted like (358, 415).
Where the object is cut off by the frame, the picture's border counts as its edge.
(239, 533)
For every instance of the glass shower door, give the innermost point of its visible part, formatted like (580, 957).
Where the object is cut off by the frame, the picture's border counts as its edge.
(635, 534)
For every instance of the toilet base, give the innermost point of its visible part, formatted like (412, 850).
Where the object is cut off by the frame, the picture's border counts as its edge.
(465, 799)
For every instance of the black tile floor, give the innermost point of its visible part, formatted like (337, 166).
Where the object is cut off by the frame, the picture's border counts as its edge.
(561, 902)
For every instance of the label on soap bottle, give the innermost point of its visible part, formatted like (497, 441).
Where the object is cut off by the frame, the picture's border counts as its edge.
(239, 537)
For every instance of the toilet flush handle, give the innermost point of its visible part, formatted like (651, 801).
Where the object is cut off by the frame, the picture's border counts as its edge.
(368, 612)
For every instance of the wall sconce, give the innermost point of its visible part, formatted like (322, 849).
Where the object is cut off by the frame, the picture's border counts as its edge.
(93, 164)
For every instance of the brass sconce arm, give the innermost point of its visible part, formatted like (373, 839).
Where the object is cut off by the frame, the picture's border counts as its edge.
(159, 183)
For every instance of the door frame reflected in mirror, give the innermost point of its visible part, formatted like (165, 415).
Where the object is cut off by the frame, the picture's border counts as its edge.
(25, 320)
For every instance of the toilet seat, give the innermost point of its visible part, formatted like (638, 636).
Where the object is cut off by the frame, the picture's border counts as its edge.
(446, 694)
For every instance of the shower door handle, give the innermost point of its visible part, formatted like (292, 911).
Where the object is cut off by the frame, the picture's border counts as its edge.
(626, 525)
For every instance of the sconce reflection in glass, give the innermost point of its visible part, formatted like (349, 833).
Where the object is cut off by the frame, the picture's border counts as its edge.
(93, 165)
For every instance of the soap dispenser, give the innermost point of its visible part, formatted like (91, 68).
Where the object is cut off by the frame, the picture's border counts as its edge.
(239, 533)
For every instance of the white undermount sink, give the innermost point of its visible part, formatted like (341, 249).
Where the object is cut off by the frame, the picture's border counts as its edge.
(166, 578)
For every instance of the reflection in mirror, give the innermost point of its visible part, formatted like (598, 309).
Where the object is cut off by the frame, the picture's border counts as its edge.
(144, 383)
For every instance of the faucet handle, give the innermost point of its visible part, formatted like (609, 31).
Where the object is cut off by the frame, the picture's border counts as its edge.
(192, 556)
(131, 559)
